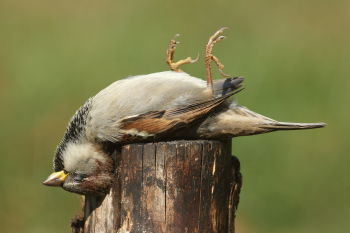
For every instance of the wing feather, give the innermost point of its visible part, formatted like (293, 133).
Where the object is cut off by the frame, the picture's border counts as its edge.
(160, 123)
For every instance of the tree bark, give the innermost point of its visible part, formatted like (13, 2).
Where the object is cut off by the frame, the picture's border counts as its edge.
(176, 186)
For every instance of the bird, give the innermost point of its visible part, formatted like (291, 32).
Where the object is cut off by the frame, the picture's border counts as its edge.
(167, 105)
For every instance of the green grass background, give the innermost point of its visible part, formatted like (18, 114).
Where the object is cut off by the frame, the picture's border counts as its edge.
(295, 56)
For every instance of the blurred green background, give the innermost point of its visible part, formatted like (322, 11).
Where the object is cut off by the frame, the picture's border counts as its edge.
(295, 56)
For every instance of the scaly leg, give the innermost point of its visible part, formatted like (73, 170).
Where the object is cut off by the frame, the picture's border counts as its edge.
(209, 56)
(170, 56)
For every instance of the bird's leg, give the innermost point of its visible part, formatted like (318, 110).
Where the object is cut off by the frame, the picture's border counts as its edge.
(170, 56)
(209, 56)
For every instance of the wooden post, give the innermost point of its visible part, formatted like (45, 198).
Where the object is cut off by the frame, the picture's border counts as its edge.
(176, 186)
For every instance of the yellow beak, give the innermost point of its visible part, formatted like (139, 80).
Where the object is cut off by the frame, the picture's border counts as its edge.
(56, 179)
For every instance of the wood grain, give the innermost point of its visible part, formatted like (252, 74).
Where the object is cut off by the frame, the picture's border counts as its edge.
(176, 186)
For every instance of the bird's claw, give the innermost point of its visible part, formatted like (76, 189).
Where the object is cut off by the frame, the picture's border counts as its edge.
(209, 56)
(172, 39)
(223, 74)
(217, 39)
(170, 56)
(195, 60)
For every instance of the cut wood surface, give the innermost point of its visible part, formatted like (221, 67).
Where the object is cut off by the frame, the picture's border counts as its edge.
(176, 186)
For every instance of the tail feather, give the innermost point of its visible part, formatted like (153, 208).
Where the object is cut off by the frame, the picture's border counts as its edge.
(240, 121)
(291, 126)
(268, 123)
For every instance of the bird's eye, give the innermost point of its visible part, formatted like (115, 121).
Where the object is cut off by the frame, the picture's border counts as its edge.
(65, 172)
(78, 178)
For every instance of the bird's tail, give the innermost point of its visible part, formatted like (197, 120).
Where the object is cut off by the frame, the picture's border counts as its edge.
(240, 121)
(291, 126)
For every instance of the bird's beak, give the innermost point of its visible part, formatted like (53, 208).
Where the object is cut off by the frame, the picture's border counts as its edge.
(56, 179)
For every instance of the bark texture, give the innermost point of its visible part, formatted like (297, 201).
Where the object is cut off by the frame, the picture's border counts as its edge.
(176, 186)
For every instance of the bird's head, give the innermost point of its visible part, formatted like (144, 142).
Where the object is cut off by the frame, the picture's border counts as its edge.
(82, 168)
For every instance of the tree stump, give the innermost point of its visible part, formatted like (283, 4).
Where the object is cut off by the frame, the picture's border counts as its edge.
(175, 186)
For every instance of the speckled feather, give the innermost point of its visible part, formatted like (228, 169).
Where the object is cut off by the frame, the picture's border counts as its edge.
(75, 132)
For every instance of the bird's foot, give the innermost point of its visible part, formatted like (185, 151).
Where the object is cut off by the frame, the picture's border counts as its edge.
(170, 56)
(209, 56)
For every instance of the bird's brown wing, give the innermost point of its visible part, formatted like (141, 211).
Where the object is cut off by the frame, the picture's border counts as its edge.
(158, 124)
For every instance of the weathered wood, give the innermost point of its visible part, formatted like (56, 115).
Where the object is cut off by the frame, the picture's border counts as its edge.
(102, 214)
(178, 186)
